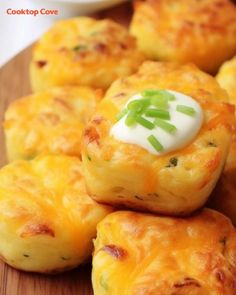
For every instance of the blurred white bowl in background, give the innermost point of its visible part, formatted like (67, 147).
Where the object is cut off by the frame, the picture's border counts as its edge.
(19, 31)
(69, 8)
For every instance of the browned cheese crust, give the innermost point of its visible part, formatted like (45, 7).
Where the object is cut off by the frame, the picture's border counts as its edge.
(202, 32)
(47, 220)
(137, 254)
(50, 121)
(83, 51)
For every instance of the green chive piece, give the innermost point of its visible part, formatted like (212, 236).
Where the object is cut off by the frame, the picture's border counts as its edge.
(80, 47)
(103, 283)
(170, 128)
(155, 113)
(145, 102)
(145, 123)
(89, 158)
(155, 143)
(139, 105)
(130, 119)
(135, 105)
(149, 92)
(160, 102)
(186, 110)
(121, 114)
(167, 95)
(158, 93)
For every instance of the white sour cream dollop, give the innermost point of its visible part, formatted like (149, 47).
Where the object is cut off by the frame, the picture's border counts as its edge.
(187, 127)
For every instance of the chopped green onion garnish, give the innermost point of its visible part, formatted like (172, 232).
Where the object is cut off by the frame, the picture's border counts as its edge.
(135, 105)
(103, 283)
(130, 119)
(80, 47)
(121, 114)
(186, 110)
(158, 114)
(155, 143)
(170, 128)
(145, 123)
(145, 102)
(139, 105)
(89, 158)
(167, 95)
(159, 102)
(158, 93)
(149, 92)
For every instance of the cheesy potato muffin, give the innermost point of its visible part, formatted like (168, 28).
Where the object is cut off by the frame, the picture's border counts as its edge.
(47, 220)
(49, 121)
(202, 32)
(165, 256)
(226, 77)
(224, 195)
(176, 182)
(83, 51)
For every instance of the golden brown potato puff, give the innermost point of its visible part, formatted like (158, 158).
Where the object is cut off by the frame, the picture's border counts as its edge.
(83, 51)
(137, 254)
(202, 32)
(49, 121)
(224, 195)
(175, 183)
(47, 220)
(226, 77)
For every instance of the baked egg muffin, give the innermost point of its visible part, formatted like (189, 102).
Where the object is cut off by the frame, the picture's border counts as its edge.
(158, 140)
(145, 254)
(47, 220)
(202, 32)
(49, 121)
(83, 51)
(223, 197)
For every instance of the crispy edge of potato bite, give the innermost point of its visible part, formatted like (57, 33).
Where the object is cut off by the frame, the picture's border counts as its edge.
(147, 254)
(226, 77)
(223, 197)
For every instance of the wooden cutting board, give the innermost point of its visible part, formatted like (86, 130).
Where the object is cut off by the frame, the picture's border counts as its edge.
(14, 83)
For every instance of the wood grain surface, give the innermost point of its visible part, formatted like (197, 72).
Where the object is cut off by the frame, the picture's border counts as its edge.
(14, 83)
